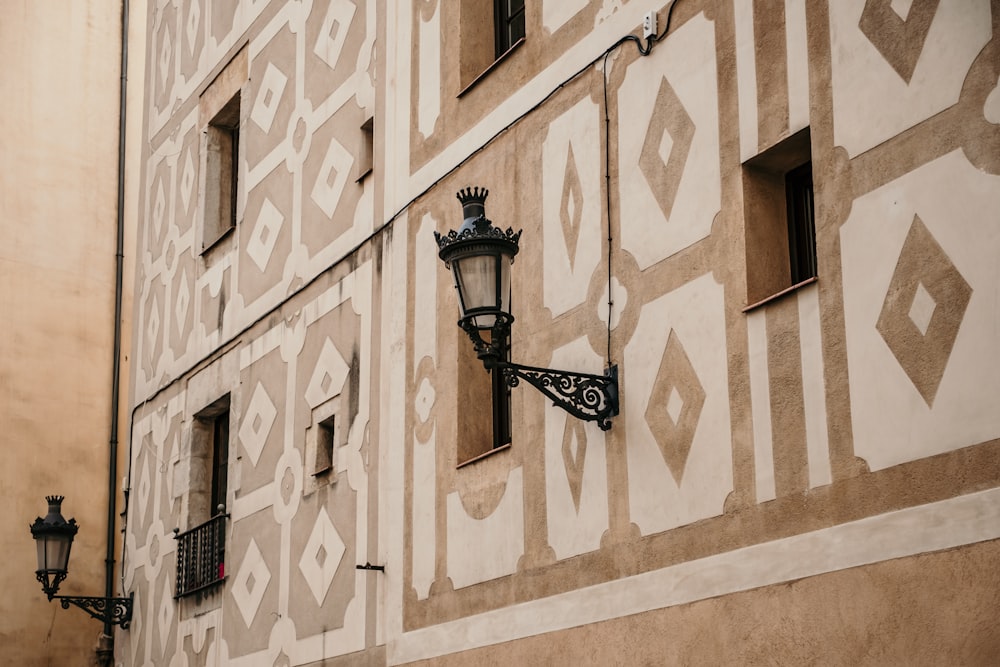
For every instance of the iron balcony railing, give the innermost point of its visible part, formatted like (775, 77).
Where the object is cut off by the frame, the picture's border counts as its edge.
(201, 556)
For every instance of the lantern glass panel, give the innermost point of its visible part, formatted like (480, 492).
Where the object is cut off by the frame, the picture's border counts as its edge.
(53, 552)
(476, 279)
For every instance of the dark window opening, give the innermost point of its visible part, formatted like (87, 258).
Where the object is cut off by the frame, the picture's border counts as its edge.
(508, 23)
(801, 223)
(324, 446)
(484, 420)
(222, 172)
(779, 219)
(220, 463)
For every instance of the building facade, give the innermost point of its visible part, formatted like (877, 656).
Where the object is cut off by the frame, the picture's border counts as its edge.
(58, 264)
(777, 219)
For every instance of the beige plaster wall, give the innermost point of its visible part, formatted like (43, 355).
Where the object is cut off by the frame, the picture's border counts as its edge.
(58, 169)
(883, 614)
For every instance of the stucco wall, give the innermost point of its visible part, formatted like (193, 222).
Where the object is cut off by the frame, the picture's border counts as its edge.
(57, 270)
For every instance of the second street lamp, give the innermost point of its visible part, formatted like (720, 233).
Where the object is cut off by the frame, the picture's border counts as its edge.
(480, 256)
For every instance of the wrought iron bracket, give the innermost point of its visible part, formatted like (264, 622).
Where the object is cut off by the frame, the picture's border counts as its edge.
(584, 395)
(116, 611)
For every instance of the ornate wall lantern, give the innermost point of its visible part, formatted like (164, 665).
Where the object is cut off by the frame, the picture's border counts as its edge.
(480, 256)
(53, 537)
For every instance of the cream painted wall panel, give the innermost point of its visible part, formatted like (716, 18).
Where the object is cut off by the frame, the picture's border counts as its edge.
(669, 145)
(798, 65)
(429, 107)
(425, 288)
(555, 13)
(893, 422)
(872, 101)
(424, 528)
(660, 496)
(576, 474)
(484, 549)
(814, 387)
(760, 406)
(746, 77)
(571, 205)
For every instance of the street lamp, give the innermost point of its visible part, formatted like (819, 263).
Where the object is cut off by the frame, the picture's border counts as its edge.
(479, 256)
(53, 537)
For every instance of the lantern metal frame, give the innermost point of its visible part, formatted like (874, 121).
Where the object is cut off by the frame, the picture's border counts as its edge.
(108, 610)
(586, 396)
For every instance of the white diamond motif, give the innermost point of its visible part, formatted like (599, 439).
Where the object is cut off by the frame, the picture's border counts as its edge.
(257, 423)
(268, 97)
(191, 27)
(901, 7)
(674, 405)
(922, 308)
(321, 556)
(425, 399)
(166, 49)
(666, 143)
(328, 376)
(153, 327)
(159, 207)
(265, 234)
(166, 615)
(144, 484)
(332, 177)
(183, 301)
(334, 31)
(247, 593)
(187, 180)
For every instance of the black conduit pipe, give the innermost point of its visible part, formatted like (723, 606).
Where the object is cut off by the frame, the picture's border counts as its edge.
(116, 355)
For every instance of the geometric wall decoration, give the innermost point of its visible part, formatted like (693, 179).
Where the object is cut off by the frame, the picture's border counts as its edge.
(576, 474)
(679, 449)
(669, 145)
(921, 284)
(895, 64)
(571, 205)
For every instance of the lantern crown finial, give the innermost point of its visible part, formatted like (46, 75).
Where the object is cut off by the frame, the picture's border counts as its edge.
(473, 201)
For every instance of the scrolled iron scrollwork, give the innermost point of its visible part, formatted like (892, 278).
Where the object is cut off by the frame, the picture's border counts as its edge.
(583, 395)
(117, 611)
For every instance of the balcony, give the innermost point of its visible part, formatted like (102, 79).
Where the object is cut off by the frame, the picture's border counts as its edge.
(201, 555)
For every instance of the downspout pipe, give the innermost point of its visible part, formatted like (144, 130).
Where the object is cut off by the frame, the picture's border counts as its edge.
(116, 354)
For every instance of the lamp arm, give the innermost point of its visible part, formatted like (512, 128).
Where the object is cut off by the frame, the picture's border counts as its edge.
(117, 611)
(584, 395)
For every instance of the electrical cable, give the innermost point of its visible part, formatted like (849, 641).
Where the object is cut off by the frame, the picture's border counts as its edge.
(650, 42)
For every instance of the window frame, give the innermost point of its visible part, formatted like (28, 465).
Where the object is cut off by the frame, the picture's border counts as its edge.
(508, 25)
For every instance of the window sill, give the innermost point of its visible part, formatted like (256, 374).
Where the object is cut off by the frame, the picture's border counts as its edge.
(782, 293)
(208, 247)
(496, 63)
(484, 455)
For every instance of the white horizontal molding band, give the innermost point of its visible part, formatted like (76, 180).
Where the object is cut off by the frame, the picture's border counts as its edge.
(925, 528)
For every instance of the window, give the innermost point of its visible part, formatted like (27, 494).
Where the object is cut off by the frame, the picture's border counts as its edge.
(480, 51)
(209, 462)
(508, 23)
(322, 438)
(201, 548)
(324, 446)
(219, 118)
(366, 152)
(484, 420)
(222, 172)
(780, 219)
(801, 225)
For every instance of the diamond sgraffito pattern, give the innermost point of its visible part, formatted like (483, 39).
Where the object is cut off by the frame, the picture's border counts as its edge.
(674, 406)
(898, 30)
(322, 556)
(666, 147)
(923, 310)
